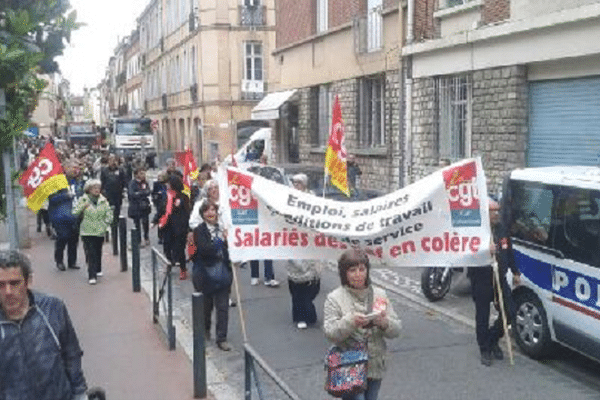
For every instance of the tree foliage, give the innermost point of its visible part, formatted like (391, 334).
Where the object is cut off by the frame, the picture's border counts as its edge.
(32, 34)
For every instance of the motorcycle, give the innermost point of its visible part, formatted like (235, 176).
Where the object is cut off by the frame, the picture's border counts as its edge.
(436, 281)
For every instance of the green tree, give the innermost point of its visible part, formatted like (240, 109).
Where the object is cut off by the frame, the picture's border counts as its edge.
(32, 34)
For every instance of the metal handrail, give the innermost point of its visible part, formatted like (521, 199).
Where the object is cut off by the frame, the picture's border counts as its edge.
(157, 295)
(250, 357)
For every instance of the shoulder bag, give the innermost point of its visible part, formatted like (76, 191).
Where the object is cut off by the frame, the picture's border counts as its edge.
(346, 370)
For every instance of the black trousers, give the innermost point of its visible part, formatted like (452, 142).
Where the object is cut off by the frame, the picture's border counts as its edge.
(144, 221)
(174, 247)
(71, 243)
(483, 295)
(303, 295)
(218, 300)
(93, 249)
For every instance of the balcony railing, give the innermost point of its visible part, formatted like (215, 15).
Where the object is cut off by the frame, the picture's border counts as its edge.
(252, 15)
(252, 90)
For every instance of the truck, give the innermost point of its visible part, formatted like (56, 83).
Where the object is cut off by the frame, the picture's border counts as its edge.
(134, 137)
(83, 134)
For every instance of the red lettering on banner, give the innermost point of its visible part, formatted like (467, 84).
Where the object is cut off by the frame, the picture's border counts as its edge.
(404, 248)
(447, 243)
(375, 252)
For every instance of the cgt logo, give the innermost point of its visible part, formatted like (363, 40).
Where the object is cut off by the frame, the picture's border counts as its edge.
(39, 173)
(463, 194)
(244, 207)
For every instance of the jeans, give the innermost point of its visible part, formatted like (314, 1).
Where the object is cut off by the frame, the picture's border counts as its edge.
(303, 294)
(254, 273)
(371, 393)
(93, 246)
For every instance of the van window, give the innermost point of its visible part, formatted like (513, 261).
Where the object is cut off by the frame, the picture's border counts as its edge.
(578, 225)
(531, 212)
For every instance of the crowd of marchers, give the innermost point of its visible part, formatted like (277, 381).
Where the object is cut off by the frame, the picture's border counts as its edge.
(191, 231)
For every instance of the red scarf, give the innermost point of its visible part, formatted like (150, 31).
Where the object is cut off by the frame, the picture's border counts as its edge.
(171, 194)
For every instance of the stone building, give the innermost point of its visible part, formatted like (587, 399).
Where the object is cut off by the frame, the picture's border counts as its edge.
(206, 64)
(349, 49)
(516, 82)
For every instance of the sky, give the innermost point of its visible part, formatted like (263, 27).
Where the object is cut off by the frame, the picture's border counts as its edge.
(86, 58)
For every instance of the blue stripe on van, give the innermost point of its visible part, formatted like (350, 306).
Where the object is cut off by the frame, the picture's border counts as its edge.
(538, 272)
(578, 288)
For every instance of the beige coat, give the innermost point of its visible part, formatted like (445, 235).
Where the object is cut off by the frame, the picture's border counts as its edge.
(340, 307)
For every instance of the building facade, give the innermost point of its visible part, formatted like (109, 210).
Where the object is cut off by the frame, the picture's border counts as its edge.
(516, 82)
(349, 49)
(206, 64)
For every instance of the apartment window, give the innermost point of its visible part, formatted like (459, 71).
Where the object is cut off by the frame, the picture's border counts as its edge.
(322, 15)
(371, 112)
(454, 113)
(325, 113)
(253, 61)
(374, 25)
(251, 2)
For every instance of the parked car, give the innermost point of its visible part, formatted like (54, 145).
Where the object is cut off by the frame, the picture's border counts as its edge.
(553, 215)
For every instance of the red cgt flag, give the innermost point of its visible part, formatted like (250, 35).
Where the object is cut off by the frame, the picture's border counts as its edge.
(190, 171)
(44, 177)
(335, 157)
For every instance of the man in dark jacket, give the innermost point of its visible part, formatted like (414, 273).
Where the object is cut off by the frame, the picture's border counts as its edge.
(139, 203)
(114, 181)
(39, 350)
(66, 226)
(482, 284)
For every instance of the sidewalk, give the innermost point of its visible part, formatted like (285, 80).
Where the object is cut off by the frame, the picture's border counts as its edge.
(124, 352)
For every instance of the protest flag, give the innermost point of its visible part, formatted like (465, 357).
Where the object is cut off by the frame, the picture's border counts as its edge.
(335, 157)
(44, 177)
(190, 171)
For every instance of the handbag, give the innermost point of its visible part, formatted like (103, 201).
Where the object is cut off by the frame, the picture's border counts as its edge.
(346, 370)
(218, 276)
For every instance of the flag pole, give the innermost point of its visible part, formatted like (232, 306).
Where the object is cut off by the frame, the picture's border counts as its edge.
(498, 286)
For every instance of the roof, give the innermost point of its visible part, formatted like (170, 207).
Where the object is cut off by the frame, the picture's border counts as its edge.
(582, 176)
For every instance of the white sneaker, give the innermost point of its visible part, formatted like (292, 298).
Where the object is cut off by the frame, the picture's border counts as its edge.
(302, 325)
(254, 281)
(92, 281)
(272, 283)
(99, 274)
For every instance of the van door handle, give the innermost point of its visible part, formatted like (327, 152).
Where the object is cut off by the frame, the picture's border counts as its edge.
(543, 249)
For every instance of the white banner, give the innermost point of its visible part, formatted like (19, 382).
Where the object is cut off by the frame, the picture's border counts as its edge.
(441, 220)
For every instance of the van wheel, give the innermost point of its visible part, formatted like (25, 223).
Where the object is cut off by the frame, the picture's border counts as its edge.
(531, 325)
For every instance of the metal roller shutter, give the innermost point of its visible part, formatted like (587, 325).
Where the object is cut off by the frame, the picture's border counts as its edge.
(564, 122)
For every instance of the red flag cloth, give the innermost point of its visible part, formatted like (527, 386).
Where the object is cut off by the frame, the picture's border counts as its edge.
(44, 177)
(190, 171)
(335, 157)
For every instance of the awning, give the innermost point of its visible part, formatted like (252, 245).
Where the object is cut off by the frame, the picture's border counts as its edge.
(268, 108)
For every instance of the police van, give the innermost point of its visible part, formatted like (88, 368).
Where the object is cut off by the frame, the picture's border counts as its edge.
(553, 214)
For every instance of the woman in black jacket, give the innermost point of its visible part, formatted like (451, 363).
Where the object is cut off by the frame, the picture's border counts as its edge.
(174, 223)
(139, 203)
(211, 249)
